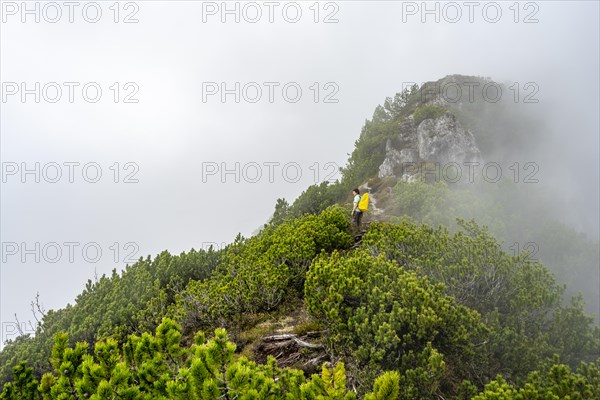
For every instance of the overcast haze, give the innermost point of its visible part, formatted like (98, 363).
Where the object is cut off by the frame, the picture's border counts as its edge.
(369, 54)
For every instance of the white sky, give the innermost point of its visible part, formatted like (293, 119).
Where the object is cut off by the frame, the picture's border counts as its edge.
(171, 134)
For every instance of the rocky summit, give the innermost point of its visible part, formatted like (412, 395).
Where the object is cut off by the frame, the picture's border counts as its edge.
(441, 140)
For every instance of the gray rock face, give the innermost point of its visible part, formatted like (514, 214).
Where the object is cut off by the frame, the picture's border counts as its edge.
(441, 141)
(401, 150)
(395, 159)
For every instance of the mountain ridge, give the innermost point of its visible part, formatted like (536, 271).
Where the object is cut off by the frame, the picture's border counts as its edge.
(409, 311)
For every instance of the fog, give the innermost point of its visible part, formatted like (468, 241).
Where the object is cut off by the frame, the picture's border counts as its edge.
(145, 142)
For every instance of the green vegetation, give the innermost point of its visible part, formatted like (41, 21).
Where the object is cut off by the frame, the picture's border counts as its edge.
(158, 367)
(425, 306)
(517, 297)
(116, 306)
(414, 312)
(515, 215)
(257, 274)
(428, 111)
(387, 318)
(553, 381)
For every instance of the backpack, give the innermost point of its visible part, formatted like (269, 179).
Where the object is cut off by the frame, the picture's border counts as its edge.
(363, 204)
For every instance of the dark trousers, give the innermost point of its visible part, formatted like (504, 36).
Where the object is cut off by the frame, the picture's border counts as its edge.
(357, 218)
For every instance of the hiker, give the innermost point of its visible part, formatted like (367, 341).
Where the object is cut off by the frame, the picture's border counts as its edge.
(356, 213)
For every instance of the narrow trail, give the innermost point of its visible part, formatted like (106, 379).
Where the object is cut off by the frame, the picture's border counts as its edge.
(364, 228)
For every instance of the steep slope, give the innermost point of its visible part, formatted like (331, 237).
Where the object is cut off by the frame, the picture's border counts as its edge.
(476, 148)
(409, 311)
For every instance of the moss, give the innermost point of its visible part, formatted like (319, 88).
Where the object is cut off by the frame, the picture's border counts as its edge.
(308, 326)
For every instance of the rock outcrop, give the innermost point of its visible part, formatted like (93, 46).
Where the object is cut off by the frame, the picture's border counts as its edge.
(441, 141)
